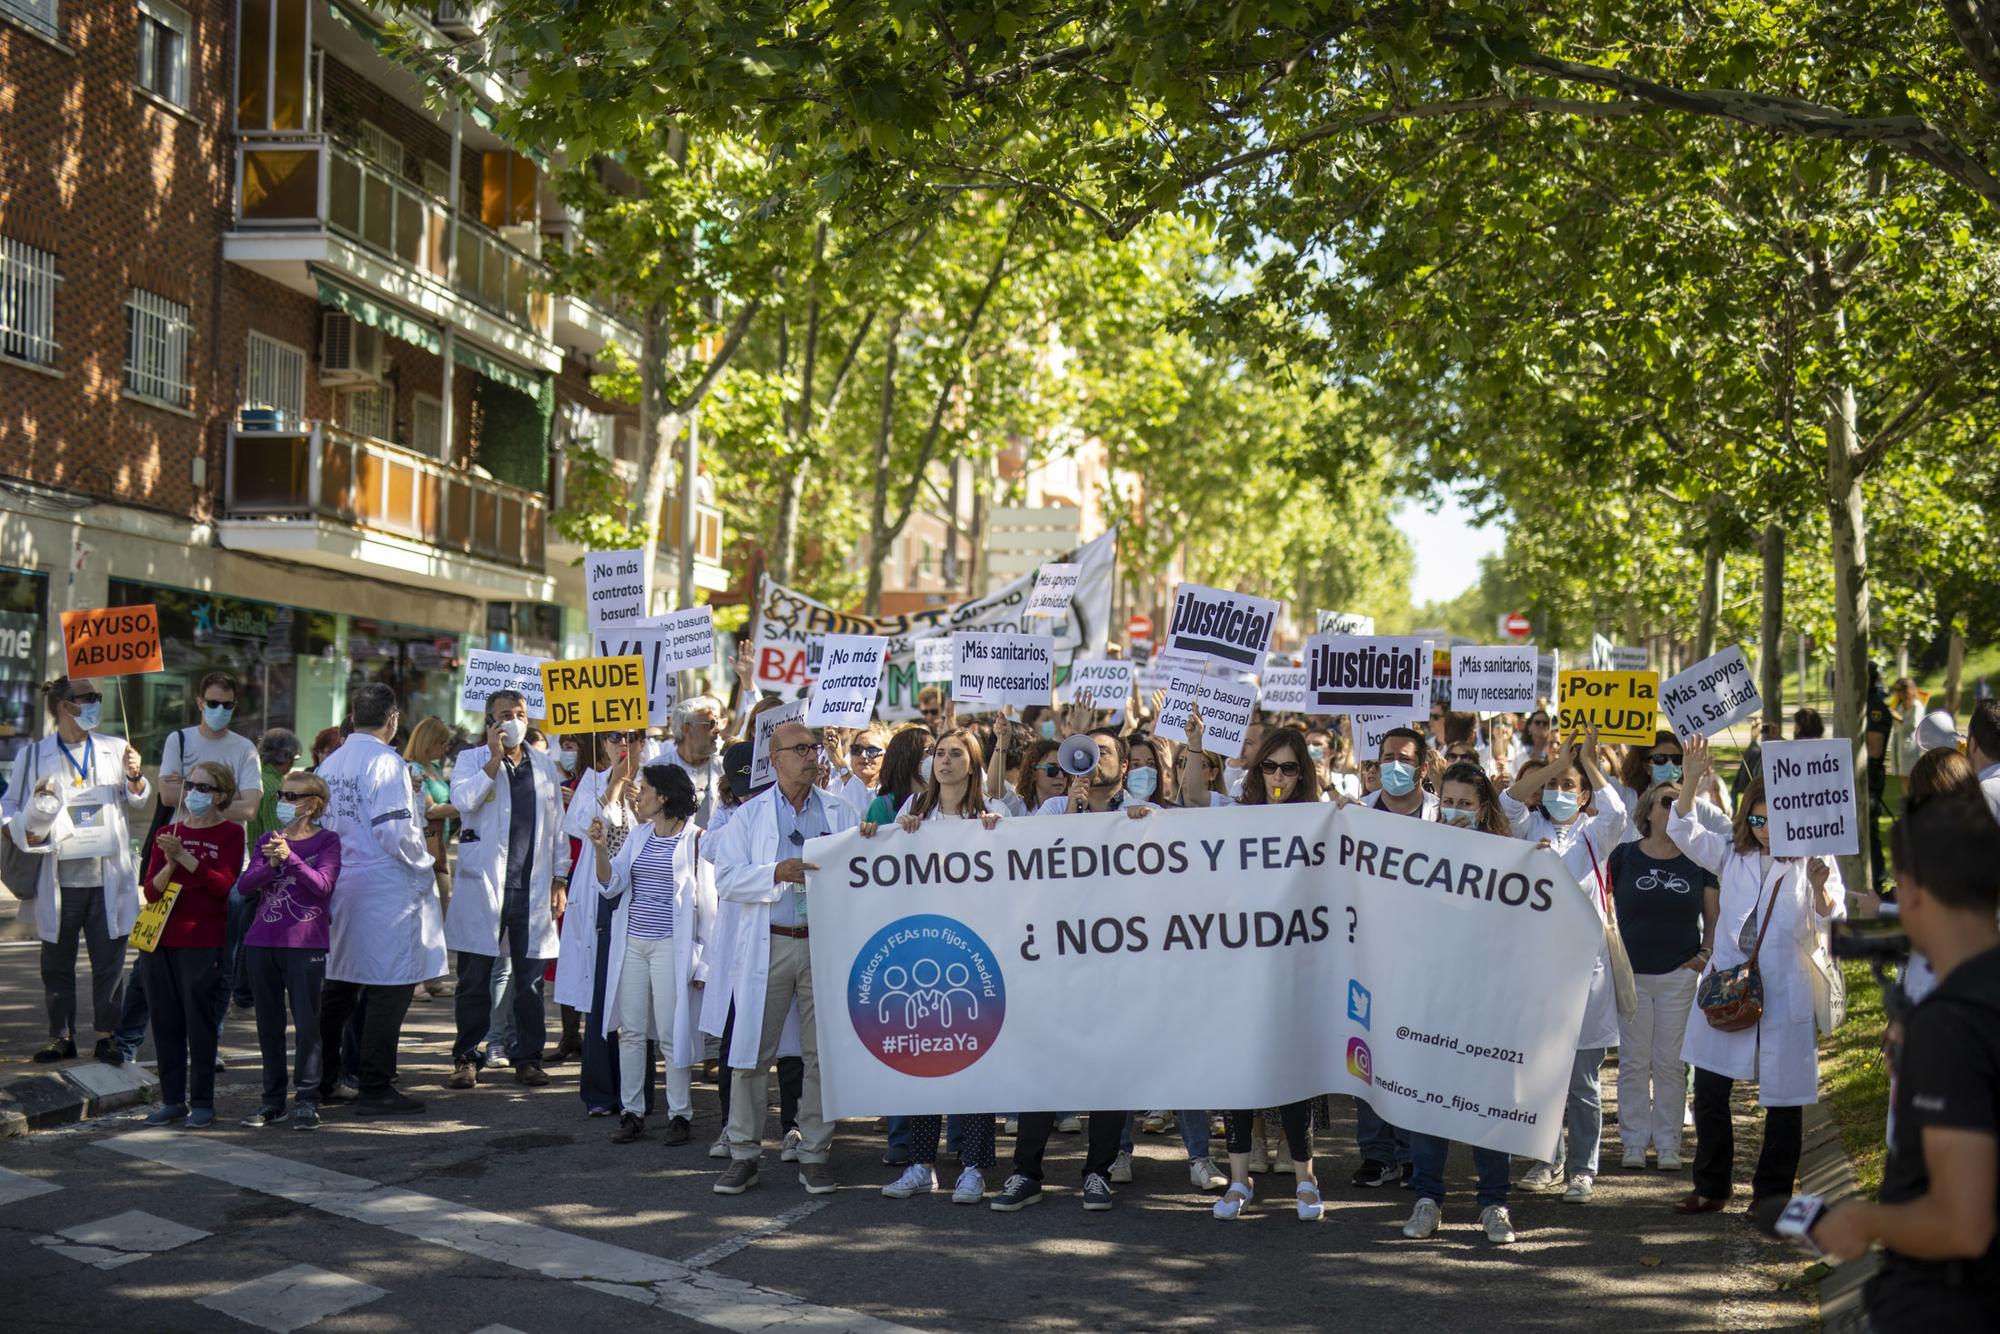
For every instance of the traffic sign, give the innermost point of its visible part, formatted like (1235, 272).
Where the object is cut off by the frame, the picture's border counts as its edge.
(1139, 626)
(1517, 625)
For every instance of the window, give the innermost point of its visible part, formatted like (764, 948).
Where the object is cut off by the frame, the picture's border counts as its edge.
(380, 147)
(28, 281)
(367, 412)
(277, 380)
(37, 14)
(273, 64)
(156, 349)
(163, 50)
(437, 179)
(427, 426)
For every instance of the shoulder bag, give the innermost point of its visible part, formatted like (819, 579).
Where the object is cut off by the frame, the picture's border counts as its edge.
(1624, 987)
(1732, 999)
(20, 870)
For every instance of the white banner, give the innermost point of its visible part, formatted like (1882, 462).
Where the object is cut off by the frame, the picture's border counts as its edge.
(1229, 629)
(768, 722)
(1226, 708)
(1368, 672)
(1055, 584)
(953, 968)
(933, 658)
(1710, 695)
(487, 671)
(1492, 678)
(995, 669)
(1809, 798)
(1283, 690)
(1343, 623)
(843, 694)
(615, 586)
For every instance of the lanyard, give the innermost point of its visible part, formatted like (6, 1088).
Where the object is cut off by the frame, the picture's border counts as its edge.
(84, 770)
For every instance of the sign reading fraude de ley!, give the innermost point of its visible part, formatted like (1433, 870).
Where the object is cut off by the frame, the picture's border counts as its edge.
(954, 969)
(1711, 695)
(1231, 629)
(113, 641)
(1809, 797)
(1624, 706)
(595, 695)
(1369, 674)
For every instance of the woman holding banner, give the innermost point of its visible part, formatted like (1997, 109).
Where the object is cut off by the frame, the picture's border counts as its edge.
(906, 767)
(1467, 799)
(1280, 772)
(1568, 806)
(1772, 909)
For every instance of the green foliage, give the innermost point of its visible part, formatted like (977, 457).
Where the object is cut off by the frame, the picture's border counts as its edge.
(597, 505)
(512, 435)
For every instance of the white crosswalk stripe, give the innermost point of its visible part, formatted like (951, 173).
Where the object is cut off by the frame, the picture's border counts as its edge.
(120, 1239)
(18, 1186)
(291, 1298)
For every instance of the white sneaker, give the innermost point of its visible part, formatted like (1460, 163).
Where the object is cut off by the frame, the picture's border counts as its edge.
(1157, 1123)
(1498, 1223)
(1579, 1189)
(1542, 1176)
(971, 1187)
(1013, 1125)
(1069, 1125)
(1670, 1160)
(917, 1179)
(720, 1149)
(790, 1152)
(1121, 1170)
(1424, 1219)
(1202, 1174)
(1634, 1162)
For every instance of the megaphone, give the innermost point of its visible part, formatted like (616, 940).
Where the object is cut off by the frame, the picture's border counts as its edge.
(1078, 755)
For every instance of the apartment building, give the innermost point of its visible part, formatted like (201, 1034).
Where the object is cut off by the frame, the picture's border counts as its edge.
(277, 354)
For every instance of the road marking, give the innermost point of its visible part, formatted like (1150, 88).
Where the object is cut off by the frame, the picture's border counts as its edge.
(120, 1239)
(666, 1285)
(291, 1298)
(19, 1186)
(729, 1246)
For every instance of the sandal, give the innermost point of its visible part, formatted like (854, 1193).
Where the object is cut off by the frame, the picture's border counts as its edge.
(1310, 1207)
(1235, 1200)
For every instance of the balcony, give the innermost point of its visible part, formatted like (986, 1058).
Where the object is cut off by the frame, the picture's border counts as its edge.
(305, 202)
(326, 497)
(709, 573)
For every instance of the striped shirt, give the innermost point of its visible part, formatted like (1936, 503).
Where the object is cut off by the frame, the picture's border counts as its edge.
(652, 913)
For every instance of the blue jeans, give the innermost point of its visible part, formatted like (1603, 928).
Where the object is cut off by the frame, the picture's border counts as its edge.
(1194, 1132)
(1428, 1152)
(1379, 1141)
(500, 1040)
(1583, 1117)
(899, 1137)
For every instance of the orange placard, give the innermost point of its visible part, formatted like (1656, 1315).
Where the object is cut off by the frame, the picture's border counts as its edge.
(113, 641)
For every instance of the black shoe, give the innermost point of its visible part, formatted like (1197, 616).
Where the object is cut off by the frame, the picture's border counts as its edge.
(678, 1131)
(391, 1103)
(1096, 1193)
(1409, 1181)
(335, 1096)
(306, 1117)
(1019, 1192)
(59, 1049)
(1372, 1174)
(630, 1128)
(107, 1052)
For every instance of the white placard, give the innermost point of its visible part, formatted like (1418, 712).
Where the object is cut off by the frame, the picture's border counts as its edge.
(1226, 708)
(1547, 667)
(1370, 728)
(768, 722)
(1284, 690)
(843, 694)
(615, 587)
(1109, 681)
(996, 669)
(1710, 695)
(487, 671)
(1371, 673)
(1055, 585)
(1343, 623)
(1231, 630)
(687, 637)
(1809, 798)
(933, 658)
(637, 640)
(1498, 678)
(1625, 658)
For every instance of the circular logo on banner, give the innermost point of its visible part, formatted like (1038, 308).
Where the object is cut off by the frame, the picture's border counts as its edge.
(926, 996)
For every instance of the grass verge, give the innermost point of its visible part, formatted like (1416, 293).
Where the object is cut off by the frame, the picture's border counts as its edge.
(1854, 1079)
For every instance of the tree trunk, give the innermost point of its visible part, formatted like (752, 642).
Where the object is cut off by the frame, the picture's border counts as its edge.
(1850, 605)
(658, 426)
(785, 540)
(1771, 635)
(1954, 669)
(879, 533)
(1711, 597)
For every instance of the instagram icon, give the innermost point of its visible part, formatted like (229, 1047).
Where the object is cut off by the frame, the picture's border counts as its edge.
(1360, 1063)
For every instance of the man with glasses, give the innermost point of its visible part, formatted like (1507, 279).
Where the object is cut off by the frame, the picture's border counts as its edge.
(697, 728)
(930, 705)
(760, 873)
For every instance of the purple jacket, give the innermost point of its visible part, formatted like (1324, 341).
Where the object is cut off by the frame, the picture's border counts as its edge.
(291, 898)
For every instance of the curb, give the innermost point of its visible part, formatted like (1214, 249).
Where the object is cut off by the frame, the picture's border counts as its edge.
(1824, 1170)
(65, 1094)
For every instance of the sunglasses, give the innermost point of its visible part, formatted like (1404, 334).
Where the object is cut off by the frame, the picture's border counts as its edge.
(930, 713)
(1462, 756)
(219, 703)
(209, 788)
(1659, 760)
(867, 752)
(86, 699)
(1052, 770)
(299, 796)
(1289, 768)
(1756, 821)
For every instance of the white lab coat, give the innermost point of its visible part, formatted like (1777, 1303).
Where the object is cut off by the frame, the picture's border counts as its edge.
(576, 963)
(1584, 847)
(1782, 1052)
(485, 807)
(694, 925)
(745, 853)
(387, 929)
(106, 765)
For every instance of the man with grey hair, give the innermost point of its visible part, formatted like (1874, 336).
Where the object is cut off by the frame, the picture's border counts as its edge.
(697, 732)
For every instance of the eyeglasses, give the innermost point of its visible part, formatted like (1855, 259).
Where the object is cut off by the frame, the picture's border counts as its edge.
(209, 788)
(1052, 770)
(1756, 821)
(298, 796)
(698, 721)
(867, 752)
(802, 750)
(1289, 768)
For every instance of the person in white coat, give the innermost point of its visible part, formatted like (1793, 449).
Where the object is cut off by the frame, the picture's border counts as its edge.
(1571, 808)
(71, 805)
(1787, 901)
(387, 930)
(664, 892)
(513, 875)
(760, 875)
(587, 942)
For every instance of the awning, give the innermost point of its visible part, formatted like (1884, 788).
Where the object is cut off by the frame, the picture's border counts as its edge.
(378, 316)
(469, 356)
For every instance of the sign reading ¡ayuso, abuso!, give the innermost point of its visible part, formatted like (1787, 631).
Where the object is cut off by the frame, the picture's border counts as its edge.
(953, 967)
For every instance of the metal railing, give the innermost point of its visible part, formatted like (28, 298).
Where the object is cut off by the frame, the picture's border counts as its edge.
(707, 518)
(325, 472)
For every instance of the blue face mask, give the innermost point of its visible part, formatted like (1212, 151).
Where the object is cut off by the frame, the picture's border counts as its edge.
(1666, 771)
(1561, 806)
(1453, 815)
(198, 803)
(1399, 777)
(216, 716)
(1142, 783)
(89, 715)
(567, 759)
(288, 811)
(1048, 729)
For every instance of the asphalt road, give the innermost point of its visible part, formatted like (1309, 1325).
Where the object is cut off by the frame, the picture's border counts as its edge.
(506, 1208)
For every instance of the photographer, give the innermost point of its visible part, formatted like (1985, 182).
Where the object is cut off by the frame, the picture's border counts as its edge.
(1936, 1218)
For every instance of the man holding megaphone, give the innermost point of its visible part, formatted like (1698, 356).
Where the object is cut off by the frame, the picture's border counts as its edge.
(1095, 763)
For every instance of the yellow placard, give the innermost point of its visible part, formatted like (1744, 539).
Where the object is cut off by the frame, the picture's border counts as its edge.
(595, 695)
(153, 919)
(1624, 705)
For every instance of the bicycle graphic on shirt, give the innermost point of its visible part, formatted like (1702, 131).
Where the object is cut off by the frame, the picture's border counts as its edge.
(1653, 880)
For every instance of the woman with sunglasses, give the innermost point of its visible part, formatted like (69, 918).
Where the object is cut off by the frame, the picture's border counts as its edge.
(1040, 779)
(1771, 909)
(202, 852)
(906, 769)
(855, 783)
(289, 880)
(1642, 767)
(1467, 799)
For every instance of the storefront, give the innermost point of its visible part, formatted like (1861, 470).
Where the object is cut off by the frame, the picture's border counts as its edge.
(24, 600)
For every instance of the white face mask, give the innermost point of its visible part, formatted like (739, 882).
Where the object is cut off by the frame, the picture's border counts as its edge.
(924, 770)
(513, 731)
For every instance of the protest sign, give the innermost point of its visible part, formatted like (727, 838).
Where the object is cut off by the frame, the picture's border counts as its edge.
(1370, 728)
(952, 975)
(1492, 678)
(636, 639)
(1710, 695)
(595, 695)
(1228, 629)
(1283, 690)
(934, 658)
(1226, 706)
(768, 723)
(1055, 584)
(1372, 673)
(1623, 705)
(687, 637)
(1809, 797)
(843, 695)
(1546, 667)
(615, 586)
(1109, 681)
(111, 641)
(1441, 674)
(487, 671)
(996, 669)
(1625, 658)
(1343, 623)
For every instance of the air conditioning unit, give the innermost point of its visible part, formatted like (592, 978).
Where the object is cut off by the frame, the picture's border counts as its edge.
(458, 18)
(350, 352)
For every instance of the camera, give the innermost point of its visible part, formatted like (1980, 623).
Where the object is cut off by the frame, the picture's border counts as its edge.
(1884, 943)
